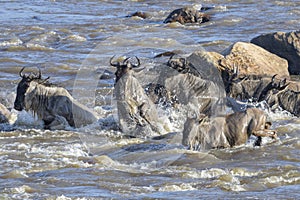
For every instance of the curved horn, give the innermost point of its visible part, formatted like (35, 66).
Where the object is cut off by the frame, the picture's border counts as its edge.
(139, 62)
(171, 57)
(20, 73)
(112, 64)
(273, 77)
(125, 61)
(169, 61)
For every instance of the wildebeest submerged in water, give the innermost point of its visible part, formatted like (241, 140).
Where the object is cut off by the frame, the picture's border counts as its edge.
(136, 111)
(201, 89)
(232, 130)
(54, 105)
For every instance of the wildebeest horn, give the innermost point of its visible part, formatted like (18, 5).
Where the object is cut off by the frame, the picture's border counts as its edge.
(273, 77)
(113, 64)
(133, 65)
(139, 62)
(125, 61)
(20, 73)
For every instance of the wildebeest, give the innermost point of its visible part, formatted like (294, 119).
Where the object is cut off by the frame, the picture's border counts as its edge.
(54, 105)
(228, 131)
(140, 14)
(137, 113)
(285, 98)
(202, 93)
(187, 15)
(248, 87)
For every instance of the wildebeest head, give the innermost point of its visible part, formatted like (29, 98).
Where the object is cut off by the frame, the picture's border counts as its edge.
(179, 64)
(183, 66)
(273, 88)
(124, 67)
(23, 85)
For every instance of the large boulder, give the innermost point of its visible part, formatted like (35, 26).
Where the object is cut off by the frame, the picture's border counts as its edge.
(4, 114)
(251, 59)
(285, 45)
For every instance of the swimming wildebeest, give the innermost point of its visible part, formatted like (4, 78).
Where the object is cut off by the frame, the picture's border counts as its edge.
(54, 105)
(187, 15)
(284, 97)
(194, 88)
(137, 113)
(248, 87)
(232, 130)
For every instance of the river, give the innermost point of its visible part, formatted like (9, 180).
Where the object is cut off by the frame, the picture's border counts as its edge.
(72, 42)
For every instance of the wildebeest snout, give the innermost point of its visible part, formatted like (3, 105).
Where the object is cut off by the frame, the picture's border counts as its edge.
(18, 105)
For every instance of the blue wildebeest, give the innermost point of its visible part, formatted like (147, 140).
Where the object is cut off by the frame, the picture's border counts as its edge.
(226, 131)
(54, 105)
(200, 91)
(284, 97)
(247, 87)
(136, 111)
(187, 15)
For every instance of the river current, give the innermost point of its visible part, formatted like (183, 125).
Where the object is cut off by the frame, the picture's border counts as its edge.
(72, 42)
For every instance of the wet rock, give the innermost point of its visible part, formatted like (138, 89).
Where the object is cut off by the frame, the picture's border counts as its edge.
(187, 15)
(251, 59)
(206, 64)
(285, 45)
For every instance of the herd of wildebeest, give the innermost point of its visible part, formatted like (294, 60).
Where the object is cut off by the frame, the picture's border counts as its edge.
(204, 90)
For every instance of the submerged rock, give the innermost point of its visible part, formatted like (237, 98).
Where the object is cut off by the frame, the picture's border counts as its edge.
(285, 45)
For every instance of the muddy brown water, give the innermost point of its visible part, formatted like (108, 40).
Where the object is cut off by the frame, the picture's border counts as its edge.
(72, 41)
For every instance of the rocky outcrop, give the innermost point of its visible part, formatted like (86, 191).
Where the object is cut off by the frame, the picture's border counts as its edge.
(187, 15)
(285, 45)
(251, 59)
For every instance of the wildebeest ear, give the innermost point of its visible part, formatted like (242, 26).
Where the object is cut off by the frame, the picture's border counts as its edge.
(36, 75)
(283, 87)
(183, 61)
(40, 74)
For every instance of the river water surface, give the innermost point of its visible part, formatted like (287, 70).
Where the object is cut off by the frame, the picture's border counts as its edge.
(72, 42)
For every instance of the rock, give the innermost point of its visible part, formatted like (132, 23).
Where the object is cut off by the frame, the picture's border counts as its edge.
(285, 45)
(210, 58)
(251, 59)
(187, 15)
